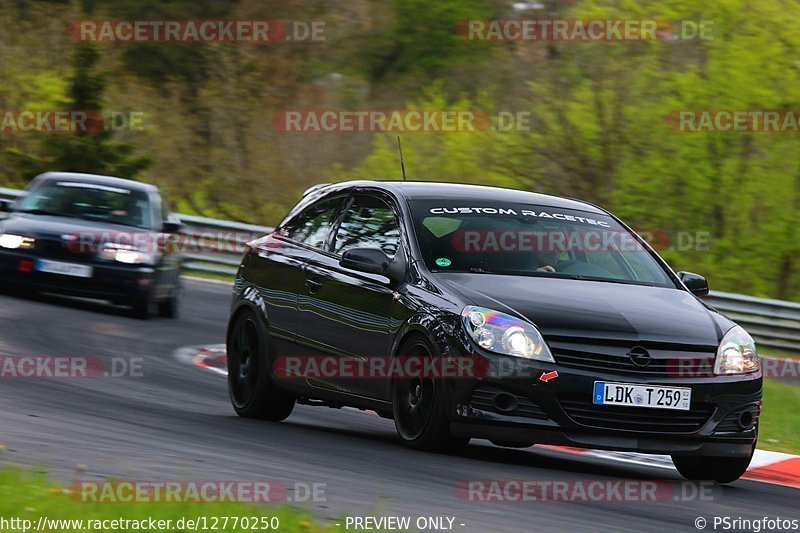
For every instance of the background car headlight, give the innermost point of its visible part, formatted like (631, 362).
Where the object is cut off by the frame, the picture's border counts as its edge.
(126, 254)
(504, 334)
(736, 353)
(12, 242)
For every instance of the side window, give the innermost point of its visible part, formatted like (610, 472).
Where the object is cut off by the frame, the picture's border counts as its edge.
(368, 223)
(311, 225)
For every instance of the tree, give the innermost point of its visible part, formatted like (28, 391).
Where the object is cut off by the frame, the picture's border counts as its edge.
(92, 150)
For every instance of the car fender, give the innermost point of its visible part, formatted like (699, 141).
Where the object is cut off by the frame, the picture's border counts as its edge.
(248, 298)
(438, 330)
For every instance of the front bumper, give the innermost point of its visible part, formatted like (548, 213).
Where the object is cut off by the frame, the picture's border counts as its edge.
(722, 420)
(118, 283)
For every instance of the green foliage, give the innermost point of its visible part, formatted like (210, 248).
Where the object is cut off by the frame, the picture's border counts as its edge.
(779, 427)
(602, 132)
(449, 156)
(419, 37)
(28, 496)
(85, 151)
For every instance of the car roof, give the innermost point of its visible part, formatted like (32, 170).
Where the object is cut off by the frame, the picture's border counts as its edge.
(110, 181)
(430, 190)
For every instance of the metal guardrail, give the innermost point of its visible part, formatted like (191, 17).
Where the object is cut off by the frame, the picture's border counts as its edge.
(217, 245)
(772, 323)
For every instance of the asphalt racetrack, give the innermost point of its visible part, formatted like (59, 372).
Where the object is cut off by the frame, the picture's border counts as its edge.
(175, 422)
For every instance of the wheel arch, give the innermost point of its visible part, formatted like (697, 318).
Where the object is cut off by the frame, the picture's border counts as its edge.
(242, 305)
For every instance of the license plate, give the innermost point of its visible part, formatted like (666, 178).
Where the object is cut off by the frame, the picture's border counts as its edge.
(65, 269)
(635, 395)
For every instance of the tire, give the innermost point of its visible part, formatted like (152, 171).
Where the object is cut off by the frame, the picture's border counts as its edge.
(169, 308)
(252, 391)
(719, 469)
(418, 406)
(140, 308)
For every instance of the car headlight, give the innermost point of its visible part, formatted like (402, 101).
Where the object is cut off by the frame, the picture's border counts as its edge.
(122, 253)
(12, 242)
(505, 334)
(736, 353)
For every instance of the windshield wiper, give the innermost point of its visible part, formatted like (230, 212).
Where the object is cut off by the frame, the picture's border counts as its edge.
(46, 212)
(537, 274)
(529, 273)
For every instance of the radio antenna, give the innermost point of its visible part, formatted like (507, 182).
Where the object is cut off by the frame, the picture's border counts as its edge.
(402, 164)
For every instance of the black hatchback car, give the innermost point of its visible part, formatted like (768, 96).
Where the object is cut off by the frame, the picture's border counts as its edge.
(464, 311)
(92, 236)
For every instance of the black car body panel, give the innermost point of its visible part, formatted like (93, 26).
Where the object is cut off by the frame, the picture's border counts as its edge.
(71, 240)
(309, 305)
(572, 308)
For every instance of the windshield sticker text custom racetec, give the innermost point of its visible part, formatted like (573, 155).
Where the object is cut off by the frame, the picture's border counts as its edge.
(513, 212)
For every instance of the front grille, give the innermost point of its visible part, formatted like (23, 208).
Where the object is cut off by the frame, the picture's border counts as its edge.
(483, 398)
(56, 249)
(614, 357)
(730, 424)
(636, 418)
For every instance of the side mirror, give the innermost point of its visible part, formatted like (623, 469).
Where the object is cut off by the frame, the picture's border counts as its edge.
(171, 226)
(696, 283)
(374, 261)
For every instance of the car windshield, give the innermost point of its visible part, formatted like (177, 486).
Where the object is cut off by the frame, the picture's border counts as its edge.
(89, 201)
(529, 240)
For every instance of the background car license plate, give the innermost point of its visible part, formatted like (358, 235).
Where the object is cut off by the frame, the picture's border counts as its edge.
(636, 395)
(65, 269)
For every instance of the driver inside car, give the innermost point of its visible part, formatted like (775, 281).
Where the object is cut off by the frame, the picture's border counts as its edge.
(549, 261)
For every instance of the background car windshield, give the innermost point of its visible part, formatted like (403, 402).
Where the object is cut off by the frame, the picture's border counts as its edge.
(516, 239)
(89, 201)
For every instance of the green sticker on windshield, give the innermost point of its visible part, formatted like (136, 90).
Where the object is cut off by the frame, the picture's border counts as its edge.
(443, 262)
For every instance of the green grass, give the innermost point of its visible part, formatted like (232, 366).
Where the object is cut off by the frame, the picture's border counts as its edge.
(29, 496)
(779, 428)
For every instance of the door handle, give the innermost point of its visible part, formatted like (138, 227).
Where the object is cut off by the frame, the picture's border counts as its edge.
(313, 285)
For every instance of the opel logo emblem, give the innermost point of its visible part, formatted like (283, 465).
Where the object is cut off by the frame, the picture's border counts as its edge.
(639, 356)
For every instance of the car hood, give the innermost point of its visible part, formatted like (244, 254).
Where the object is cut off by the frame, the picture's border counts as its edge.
(591, 309)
